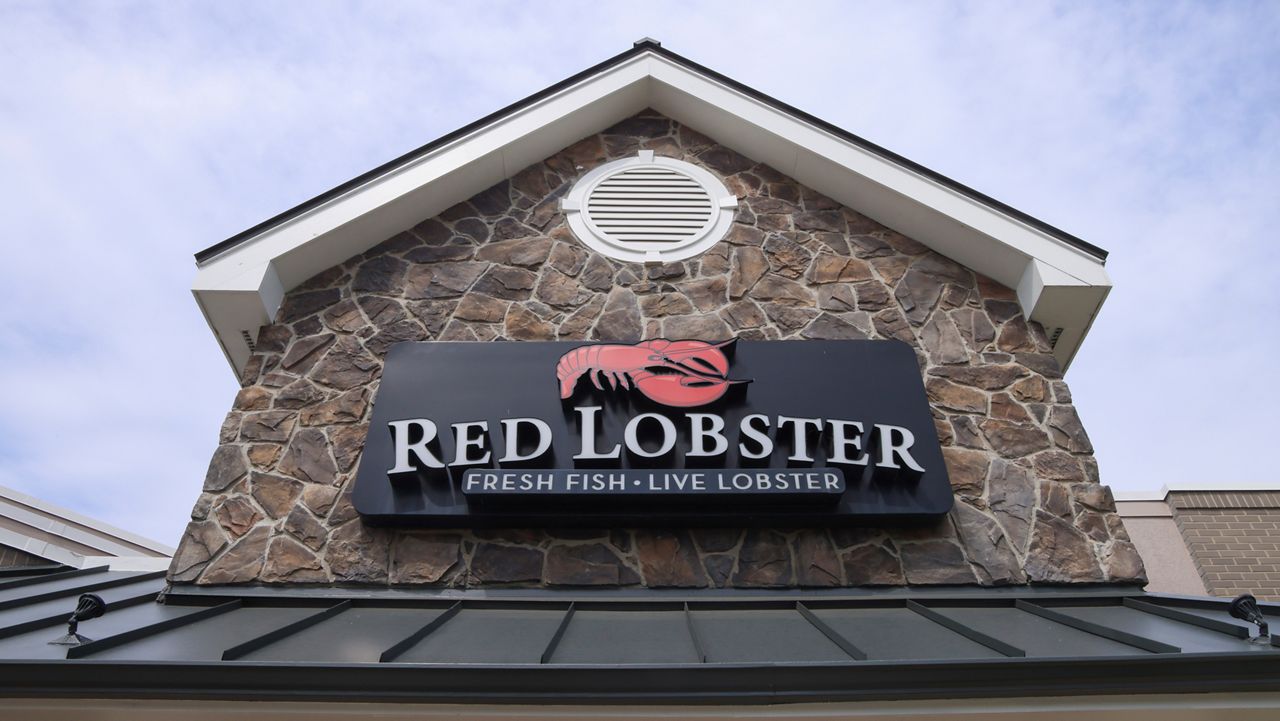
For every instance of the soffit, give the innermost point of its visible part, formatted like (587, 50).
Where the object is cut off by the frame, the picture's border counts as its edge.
(1060, 280)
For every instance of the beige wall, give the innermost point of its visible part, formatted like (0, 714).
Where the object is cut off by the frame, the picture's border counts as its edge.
(1170, 567)
(1221, 542)
(1167, 707)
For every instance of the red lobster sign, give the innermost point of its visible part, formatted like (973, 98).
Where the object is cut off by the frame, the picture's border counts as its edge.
(679, 373)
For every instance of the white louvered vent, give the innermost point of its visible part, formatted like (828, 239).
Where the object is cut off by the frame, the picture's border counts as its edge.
(649, 209)
(653, 204)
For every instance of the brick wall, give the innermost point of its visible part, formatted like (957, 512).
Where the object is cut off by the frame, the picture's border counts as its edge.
(1234, 539)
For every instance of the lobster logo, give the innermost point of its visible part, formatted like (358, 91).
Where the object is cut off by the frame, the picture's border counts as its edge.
(679, 373)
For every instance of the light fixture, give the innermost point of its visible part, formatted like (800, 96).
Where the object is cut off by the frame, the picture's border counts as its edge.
(1245, 608)
(87, 607)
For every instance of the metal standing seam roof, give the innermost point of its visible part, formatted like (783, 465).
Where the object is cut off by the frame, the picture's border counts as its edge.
(591, 647)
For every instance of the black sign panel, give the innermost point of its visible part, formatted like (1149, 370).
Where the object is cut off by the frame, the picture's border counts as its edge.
(655, 433)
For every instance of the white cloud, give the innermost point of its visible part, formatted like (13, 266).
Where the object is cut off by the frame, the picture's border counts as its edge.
(132, 136)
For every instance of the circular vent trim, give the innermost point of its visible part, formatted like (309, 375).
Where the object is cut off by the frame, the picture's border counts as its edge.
(649, 209)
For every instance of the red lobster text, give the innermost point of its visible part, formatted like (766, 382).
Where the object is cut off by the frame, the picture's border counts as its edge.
(680, 373)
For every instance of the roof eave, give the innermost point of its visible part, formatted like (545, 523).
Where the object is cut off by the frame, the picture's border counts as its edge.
(1061, 280)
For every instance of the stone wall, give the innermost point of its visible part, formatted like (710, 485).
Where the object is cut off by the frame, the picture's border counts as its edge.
(504, 266)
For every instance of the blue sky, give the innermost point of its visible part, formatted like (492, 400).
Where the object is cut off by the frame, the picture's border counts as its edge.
(134, 134)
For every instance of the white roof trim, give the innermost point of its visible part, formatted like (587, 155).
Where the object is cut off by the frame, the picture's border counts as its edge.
(19, 511)
(1058, 284)
(1225, 487)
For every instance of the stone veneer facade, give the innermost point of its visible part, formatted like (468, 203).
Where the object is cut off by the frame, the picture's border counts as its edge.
(503, 266)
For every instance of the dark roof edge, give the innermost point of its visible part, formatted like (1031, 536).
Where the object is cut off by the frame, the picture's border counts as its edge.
(682, 684)
(648, 45)
(607, 595)
(42, 569)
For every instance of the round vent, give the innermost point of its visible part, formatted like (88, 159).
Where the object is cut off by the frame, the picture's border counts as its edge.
(649, 209)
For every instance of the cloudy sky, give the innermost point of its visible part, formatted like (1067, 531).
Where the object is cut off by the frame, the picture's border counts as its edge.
(134, 135)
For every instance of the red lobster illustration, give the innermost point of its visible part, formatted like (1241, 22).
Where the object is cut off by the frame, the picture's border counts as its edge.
(680, 373)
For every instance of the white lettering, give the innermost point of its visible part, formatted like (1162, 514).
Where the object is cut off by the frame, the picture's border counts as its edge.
(799, 437)
(654, 435)
(841, 442)
(700, 431)
(511, 433)
(464, 441)
(400, 431)
(760, 436)
(589, 431)
(889, 449)
(668, 435)
(585, 482)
